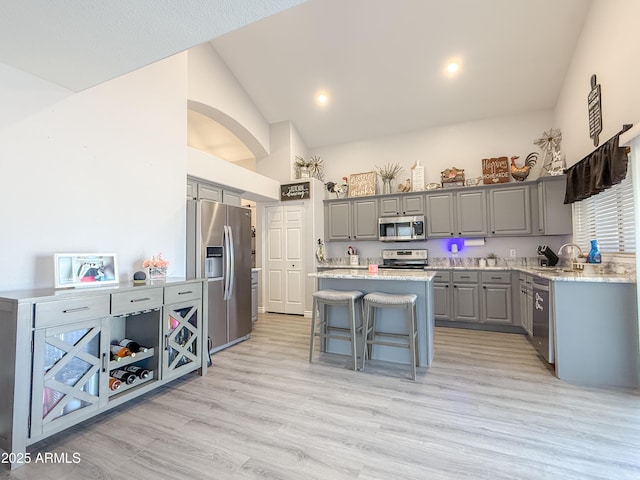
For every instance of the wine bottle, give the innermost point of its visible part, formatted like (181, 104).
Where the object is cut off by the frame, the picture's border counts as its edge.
(115, 358)
(114, 383)
(119, 351)
(135, 347)
(136, 370)
(124, 376)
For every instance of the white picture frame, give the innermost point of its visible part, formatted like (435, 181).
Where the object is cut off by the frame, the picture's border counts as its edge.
(85, 269)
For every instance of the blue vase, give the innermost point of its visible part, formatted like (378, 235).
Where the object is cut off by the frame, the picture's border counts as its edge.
(594, 253)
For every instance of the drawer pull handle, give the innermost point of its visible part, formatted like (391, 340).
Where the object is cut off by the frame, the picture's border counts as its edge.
(104, 362)
(465, 276)
(74, 310)
(185, 293)
(496, 278)
(134, 300)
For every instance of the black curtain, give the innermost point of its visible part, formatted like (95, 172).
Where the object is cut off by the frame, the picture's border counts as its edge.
(601, 169)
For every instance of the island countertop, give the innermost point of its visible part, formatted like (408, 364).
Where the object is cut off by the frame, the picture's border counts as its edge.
(382, 274)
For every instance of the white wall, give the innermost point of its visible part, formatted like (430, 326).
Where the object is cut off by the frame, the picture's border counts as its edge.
(609, 46)
(253, 185)
(462, 145)
(286, 144)
(215, 92)
(98, 171)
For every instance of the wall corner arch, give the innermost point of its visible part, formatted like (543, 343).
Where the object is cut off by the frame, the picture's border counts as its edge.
(249, 139)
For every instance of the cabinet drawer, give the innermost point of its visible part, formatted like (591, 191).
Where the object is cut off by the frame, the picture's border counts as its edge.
(181, 293)
(136, 301)
(72, 310)
(465, 277)
(496, 277)
(442, 277)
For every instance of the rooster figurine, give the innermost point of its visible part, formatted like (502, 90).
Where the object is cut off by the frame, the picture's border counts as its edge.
(521, 173)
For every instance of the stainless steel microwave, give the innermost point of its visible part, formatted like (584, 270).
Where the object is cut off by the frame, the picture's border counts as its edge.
(401, 229)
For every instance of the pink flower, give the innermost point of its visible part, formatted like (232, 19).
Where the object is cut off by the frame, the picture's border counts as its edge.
(156, 262)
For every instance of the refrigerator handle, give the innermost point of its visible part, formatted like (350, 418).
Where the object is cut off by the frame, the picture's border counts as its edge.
(227, 264)
(232, 263)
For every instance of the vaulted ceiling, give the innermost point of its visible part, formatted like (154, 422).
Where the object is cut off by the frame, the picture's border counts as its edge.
(382, 62)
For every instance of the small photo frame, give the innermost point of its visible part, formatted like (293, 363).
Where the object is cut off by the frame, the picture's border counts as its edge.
(85, 269)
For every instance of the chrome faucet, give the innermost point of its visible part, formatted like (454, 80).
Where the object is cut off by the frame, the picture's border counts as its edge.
(569, 245)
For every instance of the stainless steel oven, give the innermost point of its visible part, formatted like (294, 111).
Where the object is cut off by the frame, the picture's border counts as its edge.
(405, 259)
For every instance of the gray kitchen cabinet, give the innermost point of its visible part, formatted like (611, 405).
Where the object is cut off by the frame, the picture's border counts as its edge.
(338, 220)
(365, 219)
(441, 220)
(495, 297)
(351, 220)
(442, 296)
(554, 217)
(526, 302)
(254, 295)
(461, 213)
(510, 210)
(466, 306)
(471, 213)
(198, 189)
(409, 204)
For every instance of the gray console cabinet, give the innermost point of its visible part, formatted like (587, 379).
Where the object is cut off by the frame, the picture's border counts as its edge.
(57, 352)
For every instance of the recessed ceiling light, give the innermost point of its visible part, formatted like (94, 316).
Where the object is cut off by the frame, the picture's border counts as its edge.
(322, 98)
(453, 67)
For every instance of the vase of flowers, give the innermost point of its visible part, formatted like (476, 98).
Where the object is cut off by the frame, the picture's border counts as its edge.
(157, 268)
(387, 173)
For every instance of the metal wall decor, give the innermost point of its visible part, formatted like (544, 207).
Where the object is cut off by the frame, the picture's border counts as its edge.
(594, 104)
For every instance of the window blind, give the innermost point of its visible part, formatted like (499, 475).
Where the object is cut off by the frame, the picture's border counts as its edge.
(608, 217)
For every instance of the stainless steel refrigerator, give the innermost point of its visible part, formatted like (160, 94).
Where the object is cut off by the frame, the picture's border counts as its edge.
(219, 249)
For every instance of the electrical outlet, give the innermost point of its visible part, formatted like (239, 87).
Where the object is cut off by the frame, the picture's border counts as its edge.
(512, 252)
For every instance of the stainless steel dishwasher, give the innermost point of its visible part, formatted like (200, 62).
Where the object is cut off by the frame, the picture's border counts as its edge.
(542, 338)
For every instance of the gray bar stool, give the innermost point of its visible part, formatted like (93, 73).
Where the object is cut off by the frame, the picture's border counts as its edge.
(321, 300)
(387, 300)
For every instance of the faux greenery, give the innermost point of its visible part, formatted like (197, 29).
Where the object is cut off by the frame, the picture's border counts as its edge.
(389, 171)
(314, 164)
(492, 255)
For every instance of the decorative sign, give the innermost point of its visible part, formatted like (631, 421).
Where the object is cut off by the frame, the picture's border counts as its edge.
(594, 103)
(362, 184)
(295, 191)
(495, 170)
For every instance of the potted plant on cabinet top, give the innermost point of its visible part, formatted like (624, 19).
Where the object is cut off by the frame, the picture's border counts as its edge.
(492, 259)
(388, 172)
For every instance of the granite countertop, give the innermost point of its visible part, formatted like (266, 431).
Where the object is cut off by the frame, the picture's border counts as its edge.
(557, 274)
(362, 274)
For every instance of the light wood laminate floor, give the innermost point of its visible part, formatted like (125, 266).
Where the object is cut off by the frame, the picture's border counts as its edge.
(487, 409)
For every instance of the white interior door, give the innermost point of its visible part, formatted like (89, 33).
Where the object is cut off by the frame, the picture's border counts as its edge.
(284, 282)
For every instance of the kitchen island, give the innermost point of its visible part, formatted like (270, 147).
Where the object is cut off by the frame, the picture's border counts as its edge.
(389, 281)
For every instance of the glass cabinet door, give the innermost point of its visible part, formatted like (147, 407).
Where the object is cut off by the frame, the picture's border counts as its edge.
(182, 337)
(68, 378)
